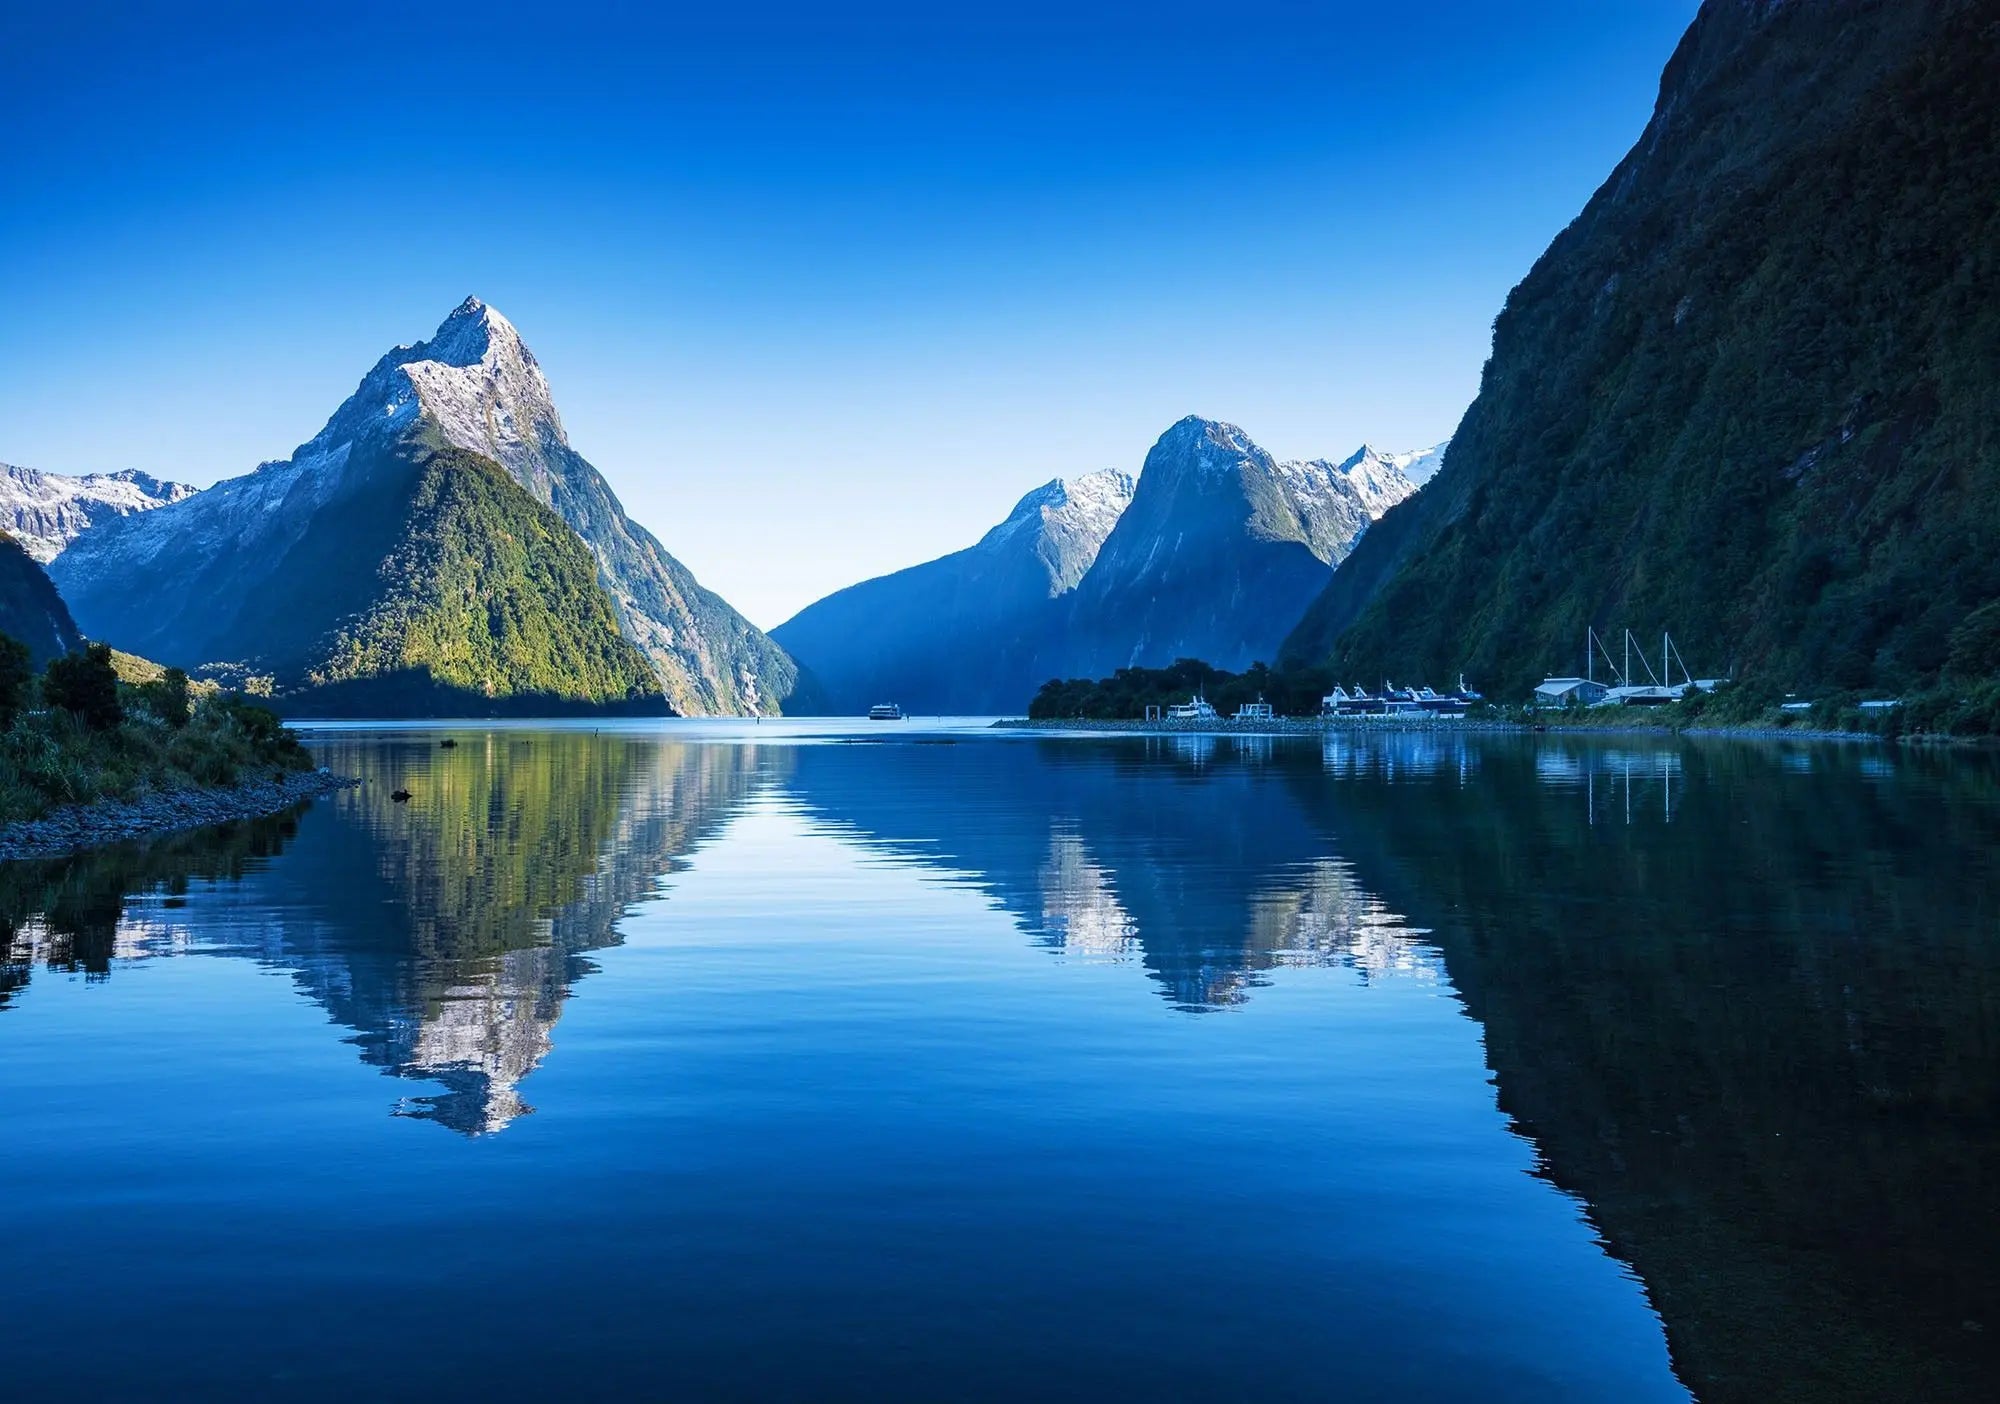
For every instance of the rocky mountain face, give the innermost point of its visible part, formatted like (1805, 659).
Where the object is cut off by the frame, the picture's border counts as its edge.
(30, 609)
(958, 634)
(1417, 465)
(1219, 554)
(182, 583)
(46, 511)
(1747, 396)
(1212, 551)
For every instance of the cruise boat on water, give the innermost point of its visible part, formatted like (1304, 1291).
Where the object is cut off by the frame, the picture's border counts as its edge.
(1395, 701)
(1196, 708)
(885, 711)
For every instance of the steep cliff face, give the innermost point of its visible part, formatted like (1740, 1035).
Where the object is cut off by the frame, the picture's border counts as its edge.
(163, 584)
(1747, 396)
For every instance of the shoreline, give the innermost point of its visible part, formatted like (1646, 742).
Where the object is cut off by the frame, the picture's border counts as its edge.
(1276, 726)
(1319, 726)
(77, 827)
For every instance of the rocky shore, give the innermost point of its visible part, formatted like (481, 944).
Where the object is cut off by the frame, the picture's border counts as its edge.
(82, 826)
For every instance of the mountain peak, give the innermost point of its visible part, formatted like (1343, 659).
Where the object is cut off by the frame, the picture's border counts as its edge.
(468, 335)
(1195, 439)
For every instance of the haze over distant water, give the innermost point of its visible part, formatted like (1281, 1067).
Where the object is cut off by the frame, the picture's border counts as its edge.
(827, 289)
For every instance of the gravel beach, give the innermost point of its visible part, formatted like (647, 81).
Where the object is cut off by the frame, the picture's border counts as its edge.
(78, 827)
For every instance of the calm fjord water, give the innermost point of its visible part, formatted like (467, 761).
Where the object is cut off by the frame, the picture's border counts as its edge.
(723, 1061)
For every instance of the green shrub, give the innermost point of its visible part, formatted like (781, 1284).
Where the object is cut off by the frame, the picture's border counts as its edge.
(57, 757)
(166, 697)
(86, 686)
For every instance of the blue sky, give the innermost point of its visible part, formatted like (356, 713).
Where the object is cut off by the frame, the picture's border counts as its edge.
(822, 290)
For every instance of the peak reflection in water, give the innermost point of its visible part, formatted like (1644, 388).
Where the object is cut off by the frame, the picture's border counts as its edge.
(1185, 854)
(1744, 998)
(444, 932)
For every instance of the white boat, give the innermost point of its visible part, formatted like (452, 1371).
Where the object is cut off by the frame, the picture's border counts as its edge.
(1196, 708)
(1260, 710)
(885, 711)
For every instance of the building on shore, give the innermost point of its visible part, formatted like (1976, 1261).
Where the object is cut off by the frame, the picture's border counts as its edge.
(1570, 692)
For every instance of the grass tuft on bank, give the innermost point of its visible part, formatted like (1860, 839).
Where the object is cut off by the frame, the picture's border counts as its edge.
(78, 733)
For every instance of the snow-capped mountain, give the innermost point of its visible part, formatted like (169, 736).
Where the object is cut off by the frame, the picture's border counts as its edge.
(1212, 551)
(958, 634)
(1417, 465)
(1063, 523)
(164, 584)
(46, 511)
(1219, 554)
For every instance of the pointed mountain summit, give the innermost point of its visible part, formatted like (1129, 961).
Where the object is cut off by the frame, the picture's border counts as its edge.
(1221, 551)
(958, 634)
(292, 572)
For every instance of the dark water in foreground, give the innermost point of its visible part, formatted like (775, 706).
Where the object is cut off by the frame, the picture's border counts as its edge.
(700, 1061)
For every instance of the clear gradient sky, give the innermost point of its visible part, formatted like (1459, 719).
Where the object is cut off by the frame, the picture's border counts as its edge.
(821, 289)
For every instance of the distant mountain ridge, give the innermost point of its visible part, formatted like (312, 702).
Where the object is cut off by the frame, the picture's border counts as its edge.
(1213, 550)
(204, 580)
(46, 511)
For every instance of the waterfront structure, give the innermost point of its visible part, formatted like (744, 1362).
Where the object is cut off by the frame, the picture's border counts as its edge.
(1570, 692)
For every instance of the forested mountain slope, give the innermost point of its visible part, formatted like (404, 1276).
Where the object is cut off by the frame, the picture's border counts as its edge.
(1751, 395)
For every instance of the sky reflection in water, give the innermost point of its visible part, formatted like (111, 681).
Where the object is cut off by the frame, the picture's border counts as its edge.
(922, 1064)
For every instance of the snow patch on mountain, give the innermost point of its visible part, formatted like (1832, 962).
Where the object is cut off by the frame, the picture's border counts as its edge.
(46, 511)
(1418, 465)
(1323, 504)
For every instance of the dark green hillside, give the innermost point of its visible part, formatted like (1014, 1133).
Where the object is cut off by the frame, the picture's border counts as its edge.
(484, 594)
(1752, 394)
(431, 583)
(30, 608)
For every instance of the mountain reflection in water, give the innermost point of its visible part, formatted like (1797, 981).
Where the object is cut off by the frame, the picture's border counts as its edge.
(444, 932)
(1743, 999)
